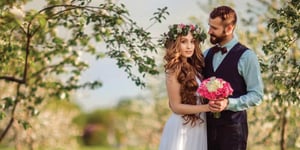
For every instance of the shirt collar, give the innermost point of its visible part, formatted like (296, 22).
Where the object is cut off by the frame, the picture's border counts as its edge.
(231, 43)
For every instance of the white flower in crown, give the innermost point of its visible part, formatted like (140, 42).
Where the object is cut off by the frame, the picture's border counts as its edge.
(179, 29)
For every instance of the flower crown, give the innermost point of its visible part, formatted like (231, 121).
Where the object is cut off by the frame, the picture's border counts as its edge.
(181, 29)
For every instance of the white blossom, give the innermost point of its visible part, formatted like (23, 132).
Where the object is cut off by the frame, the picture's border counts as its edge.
(104, 12)
(17, 12)
(63, 95)
(102, 29)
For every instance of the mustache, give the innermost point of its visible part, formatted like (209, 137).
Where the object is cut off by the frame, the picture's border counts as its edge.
(212, 35)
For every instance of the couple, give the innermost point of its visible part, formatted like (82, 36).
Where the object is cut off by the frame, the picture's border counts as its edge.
(192, 125)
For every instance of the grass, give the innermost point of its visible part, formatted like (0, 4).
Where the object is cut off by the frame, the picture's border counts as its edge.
(95, 148)
(82, 148)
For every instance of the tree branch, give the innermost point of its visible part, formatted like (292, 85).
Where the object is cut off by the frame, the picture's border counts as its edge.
(13, 79)
(12, 119)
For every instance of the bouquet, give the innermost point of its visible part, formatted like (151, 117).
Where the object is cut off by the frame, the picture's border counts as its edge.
(213, 89)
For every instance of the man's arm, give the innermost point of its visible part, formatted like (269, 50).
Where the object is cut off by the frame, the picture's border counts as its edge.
(249, 68)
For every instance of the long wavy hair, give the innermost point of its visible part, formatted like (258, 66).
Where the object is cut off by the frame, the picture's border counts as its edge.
(186, 71)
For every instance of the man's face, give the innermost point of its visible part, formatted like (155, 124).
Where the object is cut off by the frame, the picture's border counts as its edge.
(216, 30)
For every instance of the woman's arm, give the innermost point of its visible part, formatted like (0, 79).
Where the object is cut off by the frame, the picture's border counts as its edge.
(173, 89)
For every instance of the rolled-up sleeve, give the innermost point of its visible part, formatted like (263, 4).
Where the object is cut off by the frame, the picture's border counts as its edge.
(249, 68)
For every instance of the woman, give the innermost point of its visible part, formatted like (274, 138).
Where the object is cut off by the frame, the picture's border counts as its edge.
(186, 127)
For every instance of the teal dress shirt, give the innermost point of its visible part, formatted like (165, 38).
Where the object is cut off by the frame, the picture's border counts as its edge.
(248, 67)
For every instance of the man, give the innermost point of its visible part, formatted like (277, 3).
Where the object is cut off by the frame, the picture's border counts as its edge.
(239, 66)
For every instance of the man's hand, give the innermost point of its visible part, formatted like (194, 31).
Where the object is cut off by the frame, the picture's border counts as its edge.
(218, 105)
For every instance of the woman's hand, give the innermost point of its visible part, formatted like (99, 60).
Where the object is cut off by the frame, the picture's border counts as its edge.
(218, 105)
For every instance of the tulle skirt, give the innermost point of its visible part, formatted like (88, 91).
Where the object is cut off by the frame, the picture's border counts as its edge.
(177, 136)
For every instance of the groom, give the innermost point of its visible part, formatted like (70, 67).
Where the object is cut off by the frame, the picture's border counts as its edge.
(238, 65)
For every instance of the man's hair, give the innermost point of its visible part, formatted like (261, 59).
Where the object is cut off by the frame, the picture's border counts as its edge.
(226, 13)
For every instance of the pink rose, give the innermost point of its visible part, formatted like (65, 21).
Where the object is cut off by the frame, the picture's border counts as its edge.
(214, 88)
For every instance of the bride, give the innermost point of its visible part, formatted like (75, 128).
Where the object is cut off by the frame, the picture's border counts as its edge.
(186, 127)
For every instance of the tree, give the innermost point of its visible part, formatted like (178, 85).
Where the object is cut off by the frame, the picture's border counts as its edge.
(276, 34)
(284, 66)
(38, 63)
(140, 122)
(48, 129)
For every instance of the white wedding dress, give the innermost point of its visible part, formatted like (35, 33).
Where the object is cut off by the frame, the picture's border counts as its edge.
(177, 136)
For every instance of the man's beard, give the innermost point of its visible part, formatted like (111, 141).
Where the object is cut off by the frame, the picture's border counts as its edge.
(217, 39)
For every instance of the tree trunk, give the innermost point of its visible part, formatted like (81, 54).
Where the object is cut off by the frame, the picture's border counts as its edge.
(283, 129)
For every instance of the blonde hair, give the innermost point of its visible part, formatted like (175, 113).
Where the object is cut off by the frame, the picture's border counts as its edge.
(186, 71)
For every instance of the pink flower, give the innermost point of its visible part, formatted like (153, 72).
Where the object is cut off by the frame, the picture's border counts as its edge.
(181, 26)
(215, 88)
(192, 27)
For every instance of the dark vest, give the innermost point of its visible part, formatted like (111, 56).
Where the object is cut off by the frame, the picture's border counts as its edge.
(228, 70)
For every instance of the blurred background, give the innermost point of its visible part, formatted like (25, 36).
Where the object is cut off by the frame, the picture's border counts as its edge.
(86, 85)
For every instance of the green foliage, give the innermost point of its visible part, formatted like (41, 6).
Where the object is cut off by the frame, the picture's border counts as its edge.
(284, 72)
(96, 137)
(132, 124)
(97, 125)
(283, 52)
(278, 37)
(96, 148)
(40, 63)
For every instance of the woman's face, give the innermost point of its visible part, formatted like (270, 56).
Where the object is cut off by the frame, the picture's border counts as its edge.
(187, 45)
